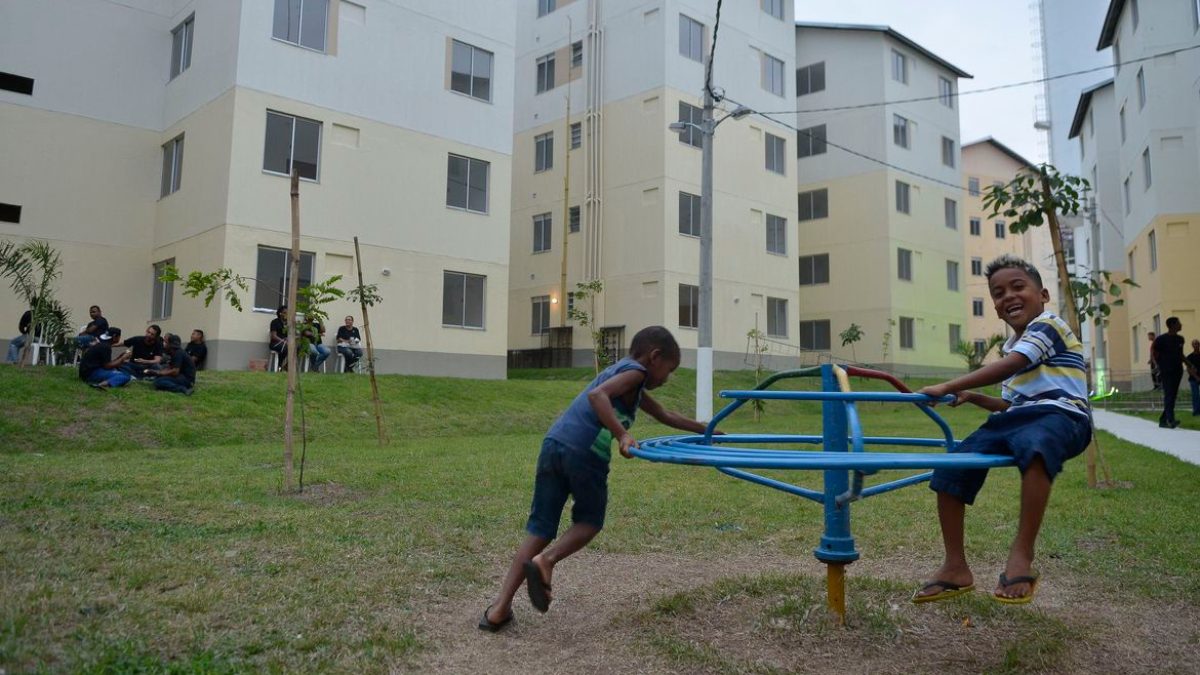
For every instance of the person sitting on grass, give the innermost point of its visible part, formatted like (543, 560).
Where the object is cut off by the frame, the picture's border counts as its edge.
(97, 366)
(146, 351)
(179, 375)
(1042, 420)
(574, 462)
(196, 349)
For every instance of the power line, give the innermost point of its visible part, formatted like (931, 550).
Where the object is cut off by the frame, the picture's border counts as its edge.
(984, 90)
(712, 52)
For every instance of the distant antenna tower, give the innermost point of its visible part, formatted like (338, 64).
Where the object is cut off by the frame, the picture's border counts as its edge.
(1041, 100)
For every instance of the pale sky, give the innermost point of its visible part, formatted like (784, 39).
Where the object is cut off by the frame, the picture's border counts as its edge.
(991, 39)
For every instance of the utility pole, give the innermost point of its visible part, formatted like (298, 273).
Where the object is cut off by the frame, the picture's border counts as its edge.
(704, 352)
(566, 229)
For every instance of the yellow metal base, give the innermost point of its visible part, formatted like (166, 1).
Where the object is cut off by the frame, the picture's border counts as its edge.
(835, 578)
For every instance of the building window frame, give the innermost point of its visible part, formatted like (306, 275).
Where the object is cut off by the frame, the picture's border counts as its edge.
(814, 269)
(815, 335)
(468, 312)
(777, 317)
(464, 77)
(1001, 229)
(1147, 174)
(691, 117)
(544, 7)
(1152, 245)
(773, 79)
(576, 135)
(1141, 88)
(543, 152)
(689, 306)
(181, 46)
(976, 267)
(977, 307)
(573, 219)
(162, 294)
(775, 148)
(908, 332)
(952, 272)
(950, 213)
(543, 232)
(811, 141)
(268, 297)
(772, 7)
(904, 264)
(901, 126)
(813, 204)
(691, 39)
(471, 168)
(810, 79)
(976, 227)
(689, 214)
(955, 334)
(539, 308)
(948, 150)
(776, 234)
(302, 24)
(945, 92)
(899, 67)
(545, 73)
(903, 197)
(294, 123)
(172, 167)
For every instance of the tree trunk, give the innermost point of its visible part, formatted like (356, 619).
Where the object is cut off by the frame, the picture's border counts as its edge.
(293, 366)
(370, 352)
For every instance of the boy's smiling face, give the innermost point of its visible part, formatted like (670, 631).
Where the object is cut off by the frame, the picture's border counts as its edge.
(659, 369)
(1018, 299)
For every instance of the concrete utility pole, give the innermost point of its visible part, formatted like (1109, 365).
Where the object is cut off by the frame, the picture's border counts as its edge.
(566, 228)
(704, 352)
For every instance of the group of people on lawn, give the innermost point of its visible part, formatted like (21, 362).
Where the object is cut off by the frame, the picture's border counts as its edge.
(348, 341)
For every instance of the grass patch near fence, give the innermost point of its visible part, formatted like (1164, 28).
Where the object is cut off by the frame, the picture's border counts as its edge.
(150, 536)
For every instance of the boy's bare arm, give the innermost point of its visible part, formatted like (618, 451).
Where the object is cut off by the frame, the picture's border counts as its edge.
(600, 400)
(669, 417)
(993, 373)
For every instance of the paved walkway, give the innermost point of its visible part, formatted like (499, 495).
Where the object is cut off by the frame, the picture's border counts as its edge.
(1182, 443)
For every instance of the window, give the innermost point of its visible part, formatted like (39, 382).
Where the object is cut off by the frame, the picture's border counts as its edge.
(814, 269)
(692, 117)
(543, 151)
(952, 275)
(10, 213)
(462, 299)
(546, 6)
(301, 22)
(292, 142)
(776, 234)
(978, 345)
(955, 336)
(1000, 229)
(899, 67)
(976, 227)
(1121, 118)
(16, 83)
(1091, 122)
(1125, 191)
(573, 219)
(467, 183)
(689, 214)
(1157, 323)
(540, 315)
(1196, 12)
(973, 186)
(908, 338)
(976, 306)
(545, 73)
(471, 71)
(1153, 251)
(271, 276)
(776, 147)
(1141, 88)
(691, 38)
(814, 204)
(951, 213)
(946, 92)
(772, 7)
(772, 75)
(976, 267)
(1136, 345)
(904, 264)
(689, 306)
(577, 54)
(814, 335)
(1132, 275)
(181, 46)
(163, 293)
(777, 320)
(810, 141)
(1116, 56)
(900, 131)
(542, 225)
(172, 166)
(810, 79)
(902, 197)
(1134, 15)
(1146, 175)
(576, 135)
(948, 151)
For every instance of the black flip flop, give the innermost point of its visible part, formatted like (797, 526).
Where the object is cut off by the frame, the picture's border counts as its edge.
(539, 590)
(485, 624)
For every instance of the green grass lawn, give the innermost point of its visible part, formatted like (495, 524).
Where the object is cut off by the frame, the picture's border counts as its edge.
(144, 531)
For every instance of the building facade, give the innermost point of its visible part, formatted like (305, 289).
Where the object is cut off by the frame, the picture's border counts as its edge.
(168, 136)
(629, 215)
(880, 228)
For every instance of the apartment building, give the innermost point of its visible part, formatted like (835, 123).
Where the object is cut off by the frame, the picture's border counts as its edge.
(881, 227)
(142, 133)
(629, 215)
(1155, 113)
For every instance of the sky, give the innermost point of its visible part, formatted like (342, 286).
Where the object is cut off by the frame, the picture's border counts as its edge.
(991, 39)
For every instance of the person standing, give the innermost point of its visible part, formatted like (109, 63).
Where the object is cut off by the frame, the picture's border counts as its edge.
(1155, 376)
(1193, 365)
(1168, 354)
(348, 340)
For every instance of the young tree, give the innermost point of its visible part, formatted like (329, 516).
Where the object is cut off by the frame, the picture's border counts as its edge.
(757, 342)
(33, 269)
(587, 319)
(975, 357)
(852, 334)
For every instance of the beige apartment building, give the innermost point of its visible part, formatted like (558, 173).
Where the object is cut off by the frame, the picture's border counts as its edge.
(167, 137)
(881, 217)
(629, 216)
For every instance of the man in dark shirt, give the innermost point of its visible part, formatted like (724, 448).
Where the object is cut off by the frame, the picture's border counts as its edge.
(16, 344)
(1168, 354)
(196, 349)
(179, 375)
(278, 340)
(348, 340)
(1193, 365)
(147, 351)
(94, 329)
(98, 368)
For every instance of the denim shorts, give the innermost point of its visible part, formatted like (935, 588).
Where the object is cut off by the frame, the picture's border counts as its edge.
(1023, 433)
(563, 472)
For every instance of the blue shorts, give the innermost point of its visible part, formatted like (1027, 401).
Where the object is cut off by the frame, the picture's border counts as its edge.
(563, 472)
(1024, 433)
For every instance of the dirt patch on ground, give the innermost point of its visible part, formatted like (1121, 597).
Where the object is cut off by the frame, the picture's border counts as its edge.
(326, 494)
(661, 613)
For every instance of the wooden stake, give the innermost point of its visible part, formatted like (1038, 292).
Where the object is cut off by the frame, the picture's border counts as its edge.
(370, 353)
(292, 366)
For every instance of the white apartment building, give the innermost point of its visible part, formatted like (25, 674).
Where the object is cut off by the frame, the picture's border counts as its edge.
(631, 214)
(881, 227)
(1158, 163)
(145, 132)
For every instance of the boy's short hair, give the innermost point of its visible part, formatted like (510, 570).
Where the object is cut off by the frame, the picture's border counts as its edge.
(654, 337)
(200, 331)
(1173, 321)
(1010, 261)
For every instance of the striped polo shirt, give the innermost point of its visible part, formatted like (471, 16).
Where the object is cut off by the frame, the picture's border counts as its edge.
(1056, 374)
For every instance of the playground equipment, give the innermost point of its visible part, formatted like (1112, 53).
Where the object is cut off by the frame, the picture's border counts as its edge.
(844, 452)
